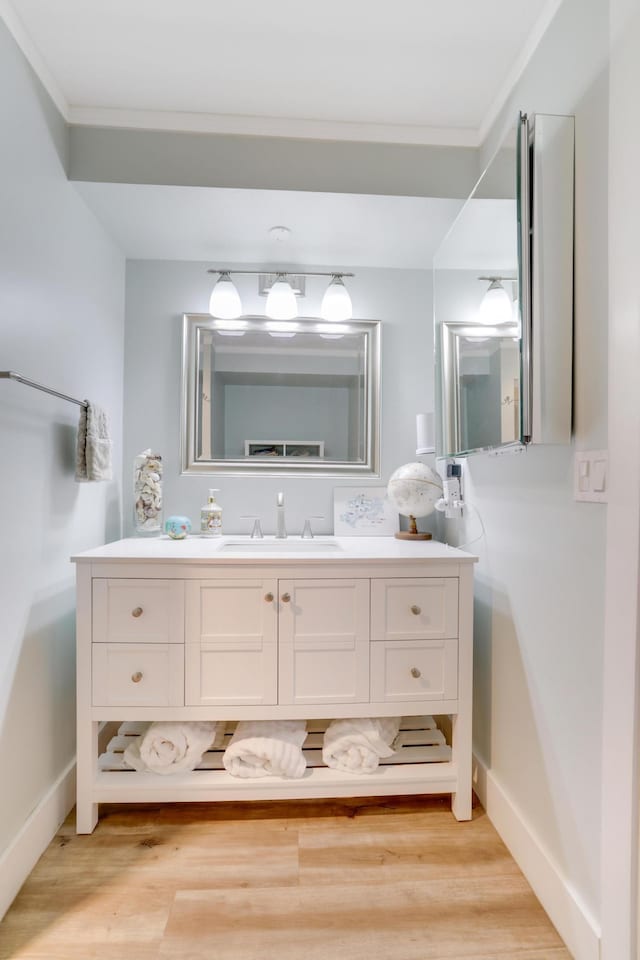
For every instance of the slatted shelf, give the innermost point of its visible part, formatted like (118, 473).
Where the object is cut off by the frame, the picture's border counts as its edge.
(418, 742)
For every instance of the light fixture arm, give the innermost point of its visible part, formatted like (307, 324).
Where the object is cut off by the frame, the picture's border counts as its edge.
(281, 273)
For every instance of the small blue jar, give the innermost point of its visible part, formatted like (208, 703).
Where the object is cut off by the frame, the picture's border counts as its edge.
(177, 527)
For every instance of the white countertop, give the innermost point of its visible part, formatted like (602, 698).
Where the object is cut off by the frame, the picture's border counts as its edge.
(239, 549)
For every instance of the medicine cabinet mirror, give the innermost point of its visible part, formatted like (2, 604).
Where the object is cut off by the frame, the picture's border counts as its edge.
(504, 361)
(261, 397)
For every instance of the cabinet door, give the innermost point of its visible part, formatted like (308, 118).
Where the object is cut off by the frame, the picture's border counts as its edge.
(231, 642)
(324, 641)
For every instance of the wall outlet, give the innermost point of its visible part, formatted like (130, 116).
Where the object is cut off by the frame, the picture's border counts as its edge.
(452, 498)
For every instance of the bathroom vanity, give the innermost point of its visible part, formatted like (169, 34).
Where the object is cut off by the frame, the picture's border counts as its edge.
(237, 629)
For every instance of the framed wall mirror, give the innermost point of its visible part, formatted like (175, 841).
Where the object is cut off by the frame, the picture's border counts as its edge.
(503, 304)
(261, 397)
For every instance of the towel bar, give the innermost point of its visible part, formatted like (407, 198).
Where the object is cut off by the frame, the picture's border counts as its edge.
(10, 375)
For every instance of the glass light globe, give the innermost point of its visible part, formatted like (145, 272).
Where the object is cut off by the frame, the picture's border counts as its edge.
(281, 301)
(496, 307)
(225, 300)
(336, 303)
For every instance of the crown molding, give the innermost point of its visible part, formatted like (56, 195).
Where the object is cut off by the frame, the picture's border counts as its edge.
(33, 57)
(518, 68)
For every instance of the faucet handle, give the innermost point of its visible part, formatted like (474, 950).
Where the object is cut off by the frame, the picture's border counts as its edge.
(307, 532)
(256, 533)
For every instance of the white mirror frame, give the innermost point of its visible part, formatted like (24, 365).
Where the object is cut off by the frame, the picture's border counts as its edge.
(369, 467)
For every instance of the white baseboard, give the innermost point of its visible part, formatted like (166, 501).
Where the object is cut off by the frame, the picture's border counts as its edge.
(571, 919)
(20, 857)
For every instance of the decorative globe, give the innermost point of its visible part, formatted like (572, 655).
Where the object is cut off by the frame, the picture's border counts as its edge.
(414, 490)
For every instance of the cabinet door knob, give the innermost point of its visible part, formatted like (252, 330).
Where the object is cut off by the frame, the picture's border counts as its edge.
(137, 612)
(137, 676)
(415, 609)
(286, 597)
(415, 672)
(268, 597)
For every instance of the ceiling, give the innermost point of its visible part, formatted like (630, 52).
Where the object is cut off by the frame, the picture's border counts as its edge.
(230, 226)
(430, 73)
(415, 71)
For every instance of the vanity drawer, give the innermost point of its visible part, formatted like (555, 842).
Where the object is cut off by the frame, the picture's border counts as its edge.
(138, 611)
(412, 609)
(414, 670)
(138, 675)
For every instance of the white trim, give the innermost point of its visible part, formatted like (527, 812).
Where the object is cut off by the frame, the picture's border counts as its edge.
(572, 919)
(518, 68)
(32, 54)
(290, 127)
(20, 857)
(621, 661)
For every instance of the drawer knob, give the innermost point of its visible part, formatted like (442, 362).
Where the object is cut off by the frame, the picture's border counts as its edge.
(137, 612)
(415, 672)
(286, 597)
(268, 597)
(137, 676)
(415, 610)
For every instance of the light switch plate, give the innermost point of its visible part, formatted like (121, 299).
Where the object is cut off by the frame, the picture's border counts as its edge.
(590, 479)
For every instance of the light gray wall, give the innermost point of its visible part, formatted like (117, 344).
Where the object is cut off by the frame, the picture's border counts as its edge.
(267, 413)
(61, 322)
(159, 292)
(540, 579)
(112, 155)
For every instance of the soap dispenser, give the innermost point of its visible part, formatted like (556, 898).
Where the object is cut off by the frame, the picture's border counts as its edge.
(211, 516)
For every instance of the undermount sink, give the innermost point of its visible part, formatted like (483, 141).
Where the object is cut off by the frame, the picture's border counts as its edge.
(291, 545)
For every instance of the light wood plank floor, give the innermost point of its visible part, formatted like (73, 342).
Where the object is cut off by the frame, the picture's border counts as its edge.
(378, 879)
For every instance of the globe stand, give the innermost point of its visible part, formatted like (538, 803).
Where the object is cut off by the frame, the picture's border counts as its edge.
(412, 532)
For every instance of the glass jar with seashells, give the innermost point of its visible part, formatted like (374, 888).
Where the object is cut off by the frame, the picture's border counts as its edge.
(147, 494)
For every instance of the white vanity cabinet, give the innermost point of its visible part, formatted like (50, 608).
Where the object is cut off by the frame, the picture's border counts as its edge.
(179, 630)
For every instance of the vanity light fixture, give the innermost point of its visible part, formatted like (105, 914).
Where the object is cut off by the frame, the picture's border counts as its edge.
(496, 307)
(281, 304)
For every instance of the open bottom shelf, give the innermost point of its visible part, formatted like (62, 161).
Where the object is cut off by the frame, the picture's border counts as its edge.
(421, 763)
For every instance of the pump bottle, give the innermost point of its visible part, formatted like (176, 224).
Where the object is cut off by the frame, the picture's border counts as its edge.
(211, 516)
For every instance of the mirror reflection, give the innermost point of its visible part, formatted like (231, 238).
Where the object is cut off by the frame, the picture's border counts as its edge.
(477, 318)
(265, 396)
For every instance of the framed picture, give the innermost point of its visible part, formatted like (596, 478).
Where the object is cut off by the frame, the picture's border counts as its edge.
(363, 512)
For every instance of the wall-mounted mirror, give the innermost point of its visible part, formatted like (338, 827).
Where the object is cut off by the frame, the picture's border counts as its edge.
(281, 398)
(503, 281)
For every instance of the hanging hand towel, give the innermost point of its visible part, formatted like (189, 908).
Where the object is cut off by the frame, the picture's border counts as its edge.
(262, 748)
(173, 747)
(93, 449)
(356, 746)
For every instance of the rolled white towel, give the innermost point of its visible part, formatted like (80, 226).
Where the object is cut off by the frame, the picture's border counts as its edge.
(262, 748)
(356, 746)
(172, 747)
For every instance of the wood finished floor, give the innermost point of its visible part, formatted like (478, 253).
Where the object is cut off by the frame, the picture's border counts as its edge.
(379, 879)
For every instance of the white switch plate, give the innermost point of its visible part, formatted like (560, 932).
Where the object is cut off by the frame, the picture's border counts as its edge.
(590, 478)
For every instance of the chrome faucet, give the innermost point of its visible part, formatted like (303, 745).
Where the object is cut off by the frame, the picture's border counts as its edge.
(281, 533)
